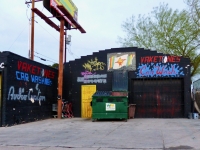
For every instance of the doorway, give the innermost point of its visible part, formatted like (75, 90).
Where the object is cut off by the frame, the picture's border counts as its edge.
(86, 97)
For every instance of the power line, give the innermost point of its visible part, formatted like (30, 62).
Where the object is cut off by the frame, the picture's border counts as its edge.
(44, 59)
(45, 56)
(70, 52)
(69, 49)
(17, 38)
(47, 31)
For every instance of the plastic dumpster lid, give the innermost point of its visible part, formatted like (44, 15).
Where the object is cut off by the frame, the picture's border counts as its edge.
(102, 93)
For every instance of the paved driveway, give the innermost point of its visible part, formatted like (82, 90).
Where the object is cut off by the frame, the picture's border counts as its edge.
(83, 134)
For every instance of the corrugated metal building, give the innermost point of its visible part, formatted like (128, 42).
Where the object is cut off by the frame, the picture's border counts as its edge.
(157, 83)
(27, 89)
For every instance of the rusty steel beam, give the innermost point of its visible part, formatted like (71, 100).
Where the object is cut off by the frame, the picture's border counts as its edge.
(68, 15)
(46, 19)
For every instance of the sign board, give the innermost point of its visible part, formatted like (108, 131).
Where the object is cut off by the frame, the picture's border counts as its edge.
(110, 107)
(69, 6)
(121, 61)
(65, 9)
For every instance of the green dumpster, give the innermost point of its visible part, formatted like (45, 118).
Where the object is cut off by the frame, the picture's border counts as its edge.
(106, 106)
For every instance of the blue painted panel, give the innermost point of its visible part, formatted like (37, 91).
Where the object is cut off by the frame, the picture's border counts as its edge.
(120, 81)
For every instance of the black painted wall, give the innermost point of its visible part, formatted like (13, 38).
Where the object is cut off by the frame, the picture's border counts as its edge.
(29, 90)
(149, 64)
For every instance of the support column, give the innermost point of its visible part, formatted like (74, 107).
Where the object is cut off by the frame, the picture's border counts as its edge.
(60, 71)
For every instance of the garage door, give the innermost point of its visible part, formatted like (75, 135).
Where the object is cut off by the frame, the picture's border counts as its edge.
(158, 98)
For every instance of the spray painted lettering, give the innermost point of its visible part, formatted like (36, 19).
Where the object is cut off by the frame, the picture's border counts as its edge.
(23, 95)
(160, 70)
(94, 65)
(160, 59)
(89, 77)
(22, 76)
(35, 70)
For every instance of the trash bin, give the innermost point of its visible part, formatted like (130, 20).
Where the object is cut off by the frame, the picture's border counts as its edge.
(131, 110)
(195, 116)
(106, 106)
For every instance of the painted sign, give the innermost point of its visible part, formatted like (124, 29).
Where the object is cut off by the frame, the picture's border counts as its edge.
(110, 107)
(32, 73)
(159, 70)
(31, 78)
(160, 59)
(68, 5)
(33, 94)
(160, 66)
(121, 61)
(89, 75)
(2, 65)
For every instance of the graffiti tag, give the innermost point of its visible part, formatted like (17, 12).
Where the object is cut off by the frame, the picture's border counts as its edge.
(20, 94)
(94, 65)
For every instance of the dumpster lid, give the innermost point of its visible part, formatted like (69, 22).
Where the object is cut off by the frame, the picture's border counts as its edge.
(102, 93)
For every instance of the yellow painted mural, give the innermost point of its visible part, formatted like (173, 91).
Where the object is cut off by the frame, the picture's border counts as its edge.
(94, 65)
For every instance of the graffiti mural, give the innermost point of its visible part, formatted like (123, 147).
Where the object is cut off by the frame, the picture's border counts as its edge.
(32, 94)
(160, 66)
(34, 74)
(89, 75)
(30, 78)
(94, 65)
(121, 61)
(159, 70)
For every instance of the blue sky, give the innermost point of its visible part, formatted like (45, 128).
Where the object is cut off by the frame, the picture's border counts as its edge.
(102, 20)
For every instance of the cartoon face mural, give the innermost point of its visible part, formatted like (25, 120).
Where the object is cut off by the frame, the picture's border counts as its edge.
(89, 75)
(160, 66)
(121, 61)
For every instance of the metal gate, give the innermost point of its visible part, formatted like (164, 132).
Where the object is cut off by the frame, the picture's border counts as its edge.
(158, 98)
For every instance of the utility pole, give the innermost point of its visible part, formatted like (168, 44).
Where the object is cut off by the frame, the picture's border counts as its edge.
(60, 71)
(32, 31)
(65, 59)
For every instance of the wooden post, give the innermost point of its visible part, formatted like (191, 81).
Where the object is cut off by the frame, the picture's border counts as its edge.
(32, 31)
(60, 71)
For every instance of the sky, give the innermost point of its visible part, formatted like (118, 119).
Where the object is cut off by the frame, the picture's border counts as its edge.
(102, 20)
